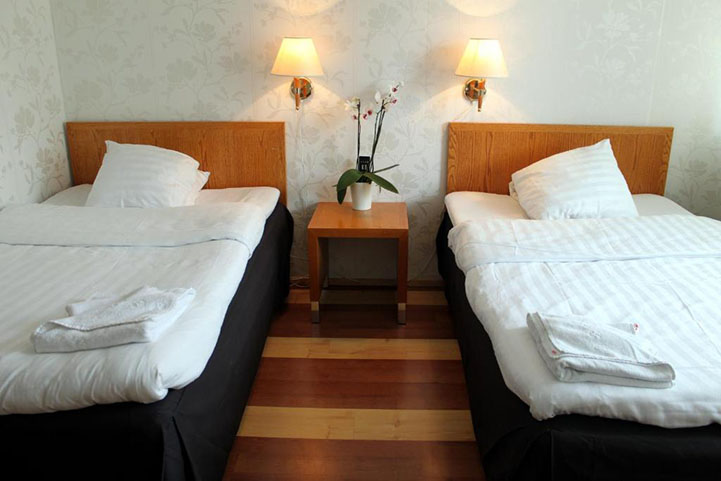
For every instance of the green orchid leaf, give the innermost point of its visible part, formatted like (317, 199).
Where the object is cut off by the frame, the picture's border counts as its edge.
(381, 181)
(386, 168)
(350, 176)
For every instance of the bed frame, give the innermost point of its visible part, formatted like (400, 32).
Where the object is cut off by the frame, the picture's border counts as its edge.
(238, 154)
(514, 446)
(482, 157)
(186, 436)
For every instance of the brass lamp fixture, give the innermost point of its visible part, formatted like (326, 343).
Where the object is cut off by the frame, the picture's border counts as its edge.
(482, 59)
(297, 58)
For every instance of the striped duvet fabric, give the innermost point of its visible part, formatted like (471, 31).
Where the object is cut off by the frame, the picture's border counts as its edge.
(521, 240)
(662, 272)
(52, 256)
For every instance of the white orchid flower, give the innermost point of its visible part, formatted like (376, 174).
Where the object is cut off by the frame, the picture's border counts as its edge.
(352, 104)
(394, 87)
(378, 98)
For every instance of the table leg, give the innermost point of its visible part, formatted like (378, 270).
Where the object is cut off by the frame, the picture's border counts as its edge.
(315, 312)
(317, 271)
(402, 275)
(401, 313)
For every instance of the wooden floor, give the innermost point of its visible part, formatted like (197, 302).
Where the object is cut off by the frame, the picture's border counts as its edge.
(358, 397)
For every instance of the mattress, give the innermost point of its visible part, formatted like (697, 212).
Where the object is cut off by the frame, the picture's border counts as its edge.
(62, 262)
(569, 447)
(467, 206)
(659, 269)
(649, 269)
(660, 272)
(174, 438)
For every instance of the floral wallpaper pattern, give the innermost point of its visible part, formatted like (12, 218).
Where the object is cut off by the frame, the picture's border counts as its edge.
(33, 161)
(574, 61)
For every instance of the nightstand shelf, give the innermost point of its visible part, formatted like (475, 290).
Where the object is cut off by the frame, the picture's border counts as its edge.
(385, 220)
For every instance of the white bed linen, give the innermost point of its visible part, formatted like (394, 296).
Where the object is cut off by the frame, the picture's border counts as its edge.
(175, 249)
(135, 175)
(263, 197)
(577, 184)
(662, 272)
(463, 206)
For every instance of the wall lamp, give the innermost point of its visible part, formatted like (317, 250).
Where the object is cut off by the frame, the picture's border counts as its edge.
(297, 58)
(482, 59)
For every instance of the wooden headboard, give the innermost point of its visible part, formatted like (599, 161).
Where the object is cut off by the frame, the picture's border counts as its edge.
(482, 157)
(237, 154)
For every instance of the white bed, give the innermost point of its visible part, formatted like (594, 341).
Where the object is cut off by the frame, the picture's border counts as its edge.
(661, 269)
(65, 261)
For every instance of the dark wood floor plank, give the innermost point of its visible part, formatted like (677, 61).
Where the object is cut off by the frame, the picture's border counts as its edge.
(354, 395)
(360, 384)
(356, 370)
(271, 459)
(366, 322)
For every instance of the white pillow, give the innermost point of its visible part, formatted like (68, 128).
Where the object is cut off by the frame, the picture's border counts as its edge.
(201, 178)
(580, 183)
(512, 191)
(145, 176)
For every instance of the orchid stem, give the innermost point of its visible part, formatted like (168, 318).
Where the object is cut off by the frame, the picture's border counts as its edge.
(357, 157)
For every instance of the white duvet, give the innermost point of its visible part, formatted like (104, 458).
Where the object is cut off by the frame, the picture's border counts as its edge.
(51, 256)
(662, 272)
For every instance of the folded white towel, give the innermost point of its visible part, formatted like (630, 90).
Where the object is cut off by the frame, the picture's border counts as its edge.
(77, 308)
(140, 316)
(578, 350)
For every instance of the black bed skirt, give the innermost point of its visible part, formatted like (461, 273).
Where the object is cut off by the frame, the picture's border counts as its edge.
(187, 435)
(517, 447)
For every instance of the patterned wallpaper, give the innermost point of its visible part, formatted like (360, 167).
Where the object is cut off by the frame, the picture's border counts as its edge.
(33, 161)
(632, 62)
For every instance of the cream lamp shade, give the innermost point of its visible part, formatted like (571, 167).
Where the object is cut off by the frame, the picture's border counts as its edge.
(297, 58)
(483, 58)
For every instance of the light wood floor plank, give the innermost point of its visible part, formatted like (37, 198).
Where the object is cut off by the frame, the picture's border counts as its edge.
(357, 424)
(339, 348)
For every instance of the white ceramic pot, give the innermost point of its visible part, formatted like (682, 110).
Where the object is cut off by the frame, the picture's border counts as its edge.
(362, 195)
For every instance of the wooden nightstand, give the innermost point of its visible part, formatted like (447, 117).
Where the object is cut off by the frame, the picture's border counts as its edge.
(385, 220)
